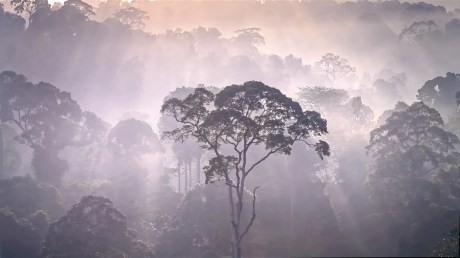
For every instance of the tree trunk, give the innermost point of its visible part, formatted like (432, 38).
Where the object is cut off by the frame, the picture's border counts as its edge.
(185, 178)
(2, 174)
(233, 225)
(198, 172)
(190, 174)
(178, 177)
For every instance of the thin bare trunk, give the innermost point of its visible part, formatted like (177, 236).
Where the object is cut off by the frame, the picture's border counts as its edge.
(178, 176)
(185, 178)
(198, 170)
(190, 174)
(1, 155)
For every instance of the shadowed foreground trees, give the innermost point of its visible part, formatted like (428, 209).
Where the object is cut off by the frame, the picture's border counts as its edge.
(236, 120)
(412, 179)
(93, 228)
(17, 239)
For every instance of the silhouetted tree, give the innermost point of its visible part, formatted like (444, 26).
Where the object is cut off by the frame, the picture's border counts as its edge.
(334, 66)
(242, 117)
(186, 151)
(132, 17)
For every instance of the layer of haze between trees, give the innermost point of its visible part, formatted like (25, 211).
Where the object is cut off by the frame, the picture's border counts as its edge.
(87, 168)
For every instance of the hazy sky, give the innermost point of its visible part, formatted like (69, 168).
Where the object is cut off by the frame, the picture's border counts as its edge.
(449, 4)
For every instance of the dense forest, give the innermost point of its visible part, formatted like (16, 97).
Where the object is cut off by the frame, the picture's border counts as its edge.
(229, 128)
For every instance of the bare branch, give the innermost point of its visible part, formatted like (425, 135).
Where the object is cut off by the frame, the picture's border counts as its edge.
(264, 158)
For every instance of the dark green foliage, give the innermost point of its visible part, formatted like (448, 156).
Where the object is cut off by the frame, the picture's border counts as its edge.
(199, 224)
(17, 238)
(412, 157)
(440, 93)
(24, 196)
(400, 106)
(448, 246)
(93, 228)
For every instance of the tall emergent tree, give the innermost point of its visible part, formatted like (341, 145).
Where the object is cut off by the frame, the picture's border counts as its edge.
(235, 121)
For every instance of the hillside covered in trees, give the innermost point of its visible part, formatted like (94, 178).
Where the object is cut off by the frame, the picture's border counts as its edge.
(250, 128)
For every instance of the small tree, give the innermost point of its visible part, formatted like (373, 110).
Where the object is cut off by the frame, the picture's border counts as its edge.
(334, 66)
(235, 121)
(132, 17)
(131, 138)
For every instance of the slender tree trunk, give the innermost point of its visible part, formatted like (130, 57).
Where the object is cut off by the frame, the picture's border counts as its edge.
(178, 176)
(190, 173)
(198, 170)
(185, 178)
(2, 174)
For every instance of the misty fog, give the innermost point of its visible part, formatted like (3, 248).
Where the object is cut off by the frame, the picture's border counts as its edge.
(307, 128)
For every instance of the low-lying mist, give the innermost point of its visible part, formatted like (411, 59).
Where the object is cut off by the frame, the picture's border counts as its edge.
(229, 128)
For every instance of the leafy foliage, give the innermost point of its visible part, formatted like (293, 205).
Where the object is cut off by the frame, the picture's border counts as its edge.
(132, 17)
(335, 66)
(48, 120)
(17, 239)
(93, 228)
(133, 137)
(412, 155)
(235, 120)
(440, 93)
(245, 115)
(449, 246)
(24, 196)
